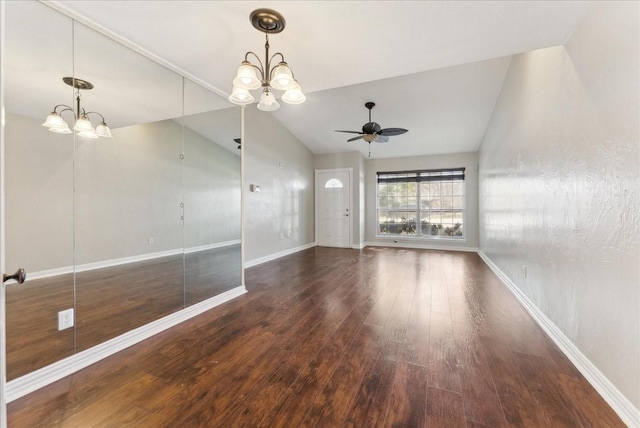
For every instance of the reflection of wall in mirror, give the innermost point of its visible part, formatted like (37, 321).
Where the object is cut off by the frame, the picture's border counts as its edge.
(128, 190)
(212, 192)
(38, 195)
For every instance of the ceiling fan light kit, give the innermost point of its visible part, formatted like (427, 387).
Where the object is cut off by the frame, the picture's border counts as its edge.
(373, 132)
(278, 77)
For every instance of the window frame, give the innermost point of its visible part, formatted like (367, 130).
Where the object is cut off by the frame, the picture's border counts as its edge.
(420, 176)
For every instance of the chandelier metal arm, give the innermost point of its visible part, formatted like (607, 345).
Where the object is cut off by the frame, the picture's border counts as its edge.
(66, 107)
(261, 68)
(271, 62)
(93, 112)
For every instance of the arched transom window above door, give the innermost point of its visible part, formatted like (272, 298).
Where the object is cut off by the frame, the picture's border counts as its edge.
(334, 183)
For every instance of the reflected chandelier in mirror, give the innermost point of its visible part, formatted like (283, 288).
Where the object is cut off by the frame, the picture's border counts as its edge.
(82, 125)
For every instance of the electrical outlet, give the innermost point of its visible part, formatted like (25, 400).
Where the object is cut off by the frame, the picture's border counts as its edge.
(524, 270)
(152, 240)
(65, 319)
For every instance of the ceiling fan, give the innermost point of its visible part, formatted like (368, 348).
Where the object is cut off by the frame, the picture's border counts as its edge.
(373, 132)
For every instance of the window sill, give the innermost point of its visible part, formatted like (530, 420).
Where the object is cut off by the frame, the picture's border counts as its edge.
(421, 238)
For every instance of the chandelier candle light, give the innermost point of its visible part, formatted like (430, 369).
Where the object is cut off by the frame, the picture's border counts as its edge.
(82, 125)
(278, 77)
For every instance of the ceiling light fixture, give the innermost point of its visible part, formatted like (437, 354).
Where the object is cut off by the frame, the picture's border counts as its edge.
(82, 124)
(278, 77)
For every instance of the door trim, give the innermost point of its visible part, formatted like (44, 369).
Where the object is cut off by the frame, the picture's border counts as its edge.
(351, 193)
(3, 367)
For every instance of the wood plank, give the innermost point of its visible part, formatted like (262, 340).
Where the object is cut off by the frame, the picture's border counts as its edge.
(444, 409)
(369, 403)
(554, 392)
(332, 405)
(407, 402)
(312, 380)
(481, 401)
(517, 401)
(443, 354)
(587, 401)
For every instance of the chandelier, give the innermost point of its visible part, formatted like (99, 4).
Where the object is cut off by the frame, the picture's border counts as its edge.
(278, 77)
(82, 124)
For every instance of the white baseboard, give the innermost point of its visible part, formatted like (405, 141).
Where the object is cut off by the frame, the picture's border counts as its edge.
(359, 246)
(37, 379)
(125, 260)
(211, 246)
(405, 244)
(618, 402)
(274, 256)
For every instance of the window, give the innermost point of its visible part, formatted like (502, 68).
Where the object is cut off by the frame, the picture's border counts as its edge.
(428, 203)
(334, 183)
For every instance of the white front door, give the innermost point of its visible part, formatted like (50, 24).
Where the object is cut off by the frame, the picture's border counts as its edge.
(333, 219)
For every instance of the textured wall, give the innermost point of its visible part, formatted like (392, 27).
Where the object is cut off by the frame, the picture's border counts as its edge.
(467, 160)
(281, 216)
(349, 160)
(559, 188)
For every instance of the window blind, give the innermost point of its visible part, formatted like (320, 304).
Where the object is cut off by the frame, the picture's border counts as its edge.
(448, 174)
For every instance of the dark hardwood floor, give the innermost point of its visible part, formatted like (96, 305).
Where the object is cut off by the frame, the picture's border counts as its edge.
(378, 337)
(109, 302)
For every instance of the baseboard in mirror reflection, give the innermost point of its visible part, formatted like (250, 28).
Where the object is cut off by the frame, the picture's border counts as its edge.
(37, 379)
(618, 402)
(124, 260)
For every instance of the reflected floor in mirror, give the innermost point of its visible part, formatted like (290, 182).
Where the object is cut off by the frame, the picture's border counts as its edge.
(109, 302)
(338, 337)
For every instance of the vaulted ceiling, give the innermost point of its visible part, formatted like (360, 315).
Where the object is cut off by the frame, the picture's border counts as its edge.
(435, 68)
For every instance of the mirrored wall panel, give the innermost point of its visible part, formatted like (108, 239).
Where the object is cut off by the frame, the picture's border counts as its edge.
(212, 195)
(39, 186)
(128, 214)
(125, 207)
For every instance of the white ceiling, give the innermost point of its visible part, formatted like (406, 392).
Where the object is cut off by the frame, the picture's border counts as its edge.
(435, 68)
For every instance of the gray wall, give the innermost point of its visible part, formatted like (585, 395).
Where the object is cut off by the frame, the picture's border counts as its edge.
(212, 192)
(559, 188)
(467, 160)
(349, 160)
(280, 217)
(127, 189)
(38, 194)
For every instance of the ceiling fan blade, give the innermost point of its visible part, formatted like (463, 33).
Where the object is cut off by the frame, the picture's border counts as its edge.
(392, 131)
(382, 139)
(350, 132)
(355, 138)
